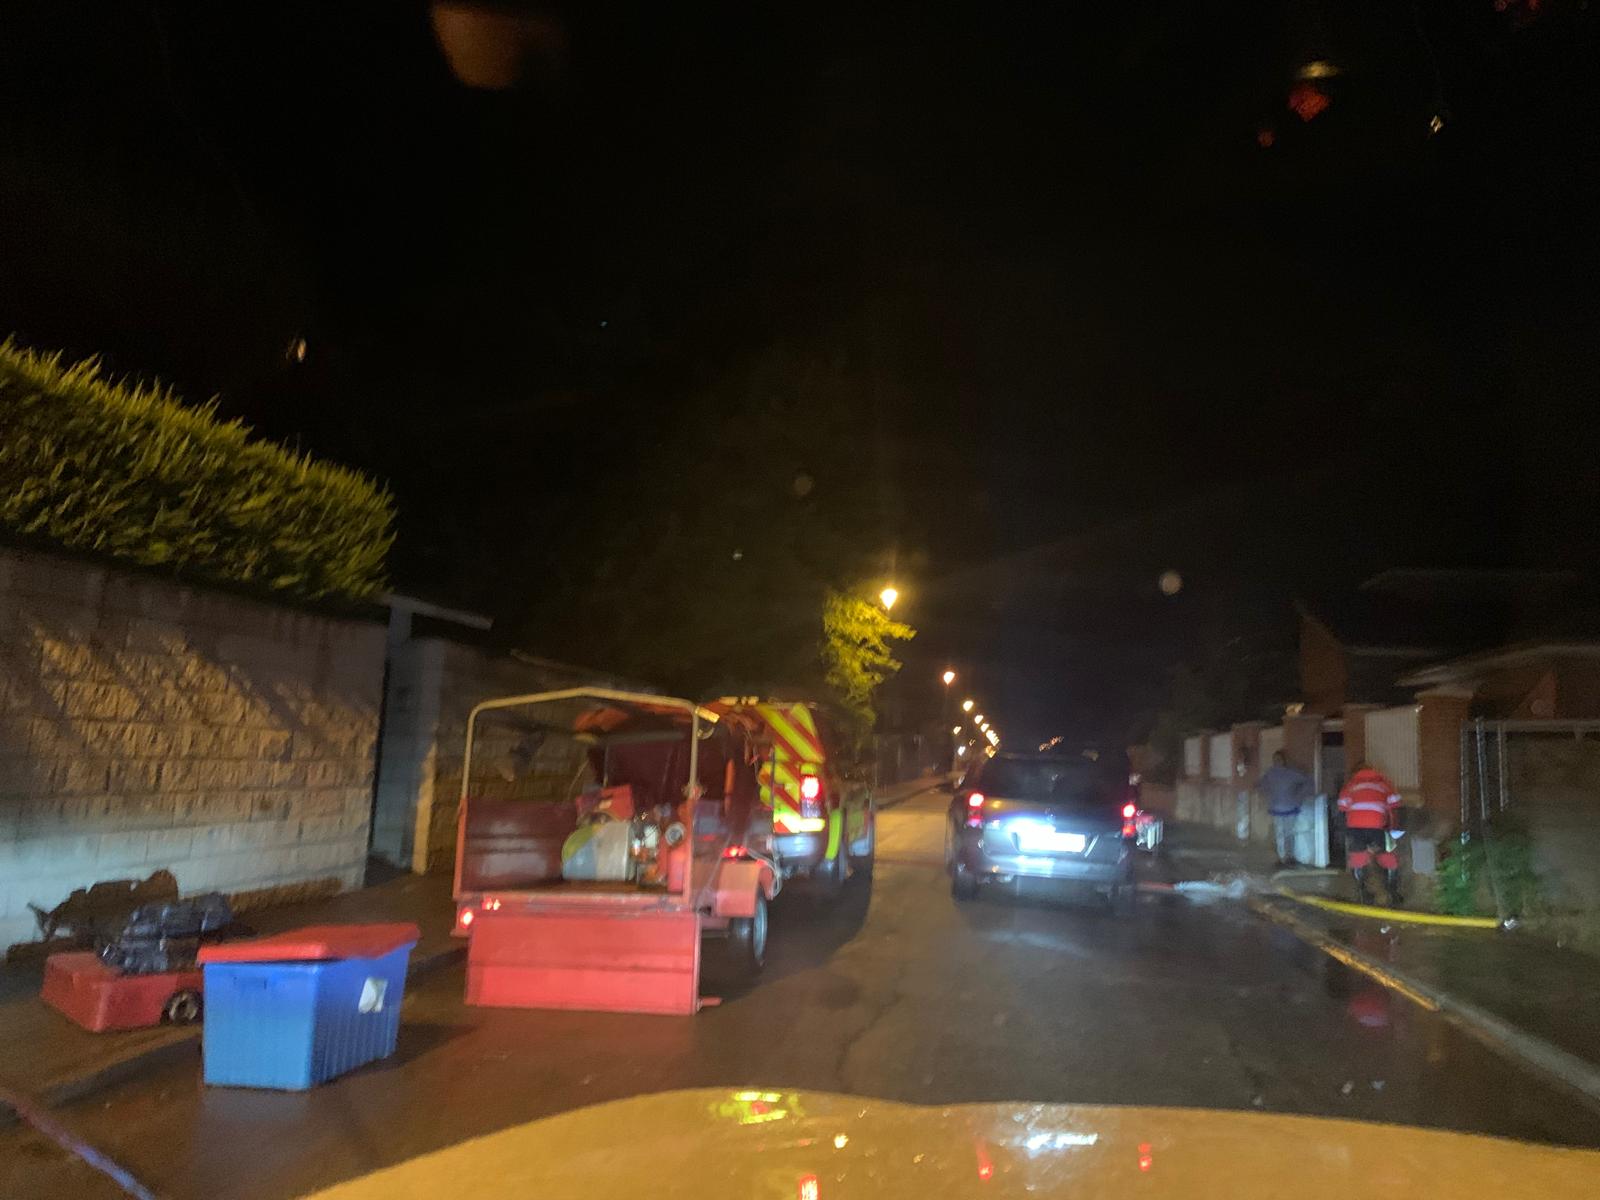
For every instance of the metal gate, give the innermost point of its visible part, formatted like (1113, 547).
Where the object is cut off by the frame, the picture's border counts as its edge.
(1546, 772)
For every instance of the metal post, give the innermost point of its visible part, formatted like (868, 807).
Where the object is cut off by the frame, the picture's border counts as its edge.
(1484, 778)
(1500, 751)
(1466, 783)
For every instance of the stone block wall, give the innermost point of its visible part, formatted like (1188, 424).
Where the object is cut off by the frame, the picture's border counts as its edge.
(146, 725)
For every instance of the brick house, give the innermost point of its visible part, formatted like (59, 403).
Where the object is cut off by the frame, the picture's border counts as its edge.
(1553, 680)
(1390, 636)
(1390, 672)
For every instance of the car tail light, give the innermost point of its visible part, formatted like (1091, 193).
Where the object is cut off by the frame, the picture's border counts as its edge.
(810, 796)
(1129, 810)
(1129, 829)
(975, 803)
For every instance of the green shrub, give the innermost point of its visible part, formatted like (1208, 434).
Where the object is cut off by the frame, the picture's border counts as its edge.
(1466, 886)
(129, 471)
(1458, 879)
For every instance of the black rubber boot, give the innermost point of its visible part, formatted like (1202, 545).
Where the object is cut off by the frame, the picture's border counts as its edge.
(1391, 881)
(1363, 896)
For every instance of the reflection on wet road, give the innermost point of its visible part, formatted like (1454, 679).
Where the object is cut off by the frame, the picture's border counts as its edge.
(898, 993)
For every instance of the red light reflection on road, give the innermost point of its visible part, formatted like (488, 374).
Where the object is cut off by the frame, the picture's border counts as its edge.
(809, 1189)
(1146, 1158)
(985, 1165)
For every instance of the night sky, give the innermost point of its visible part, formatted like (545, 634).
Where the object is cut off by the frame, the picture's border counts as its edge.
(1101, 268)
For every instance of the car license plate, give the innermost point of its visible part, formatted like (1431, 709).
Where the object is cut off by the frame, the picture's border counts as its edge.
(1060, 843)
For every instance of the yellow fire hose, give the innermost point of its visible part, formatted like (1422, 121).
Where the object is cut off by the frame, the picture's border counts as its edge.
(1390, 914)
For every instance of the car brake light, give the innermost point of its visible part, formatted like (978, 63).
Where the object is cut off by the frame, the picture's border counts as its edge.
(975, 800)
(1128, 811)
(1129, 829)
(810, 796)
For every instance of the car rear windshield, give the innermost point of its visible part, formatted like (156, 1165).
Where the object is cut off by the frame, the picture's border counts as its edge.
(1080, 785)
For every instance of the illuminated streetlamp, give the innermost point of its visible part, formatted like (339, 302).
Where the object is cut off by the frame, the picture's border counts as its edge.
(949, 677)
(966, 705)
(889, 595)
(978, 720)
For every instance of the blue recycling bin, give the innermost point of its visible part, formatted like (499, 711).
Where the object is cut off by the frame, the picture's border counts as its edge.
(296, 1009)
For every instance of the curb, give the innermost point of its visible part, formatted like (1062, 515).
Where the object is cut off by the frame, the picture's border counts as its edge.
(172, 1049)
(1493, 1031)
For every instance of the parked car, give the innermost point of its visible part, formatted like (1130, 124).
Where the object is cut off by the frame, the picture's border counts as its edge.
(1042, 816)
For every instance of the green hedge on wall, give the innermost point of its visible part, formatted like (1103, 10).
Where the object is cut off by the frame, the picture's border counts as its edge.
(129, 471)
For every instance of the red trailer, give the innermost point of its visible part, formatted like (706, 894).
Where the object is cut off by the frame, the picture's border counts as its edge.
(83, 989)
(604, 840)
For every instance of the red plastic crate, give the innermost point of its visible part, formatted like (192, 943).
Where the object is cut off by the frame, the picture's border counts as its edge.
(86, 991)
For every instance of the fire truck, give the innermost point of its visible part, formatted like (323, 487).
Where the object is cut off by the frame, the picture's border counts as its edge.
(816, 802)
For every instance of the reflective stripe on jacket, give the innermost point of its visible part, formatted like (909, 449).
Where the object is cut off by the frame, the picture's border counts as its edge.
(1368, 800)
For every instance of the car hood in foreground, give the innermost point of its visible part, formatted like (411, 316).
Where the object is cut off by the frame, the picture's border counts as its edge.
(814, 1146)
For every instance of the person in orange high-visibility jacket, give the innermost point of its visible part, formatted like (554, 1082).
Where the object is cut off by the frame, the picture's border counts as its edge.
(1370, 805)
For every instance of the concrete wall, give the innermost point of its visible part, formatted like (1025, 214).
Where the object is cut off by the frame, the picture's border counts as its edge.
(1554, 782)
(1270, 743)
(1194, 756)
(145, 725)
(1219, 756)
(433, 685)
(1213, 795)
(1390, 744)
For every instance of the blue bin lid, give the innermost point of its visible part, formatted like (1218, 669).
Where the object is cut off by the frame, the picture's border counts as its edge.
(316, 943)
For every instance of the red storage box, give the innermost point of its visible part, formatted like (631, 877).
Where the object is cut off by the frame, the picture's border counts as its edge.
(86, 991)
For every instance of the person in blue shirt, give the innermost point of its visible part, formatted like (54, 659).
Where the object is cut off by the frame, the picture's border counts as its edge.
(1285, 790)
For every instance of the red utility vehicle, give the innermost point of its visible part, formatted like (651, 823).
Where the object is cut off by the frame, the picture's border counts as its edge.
(603, 839)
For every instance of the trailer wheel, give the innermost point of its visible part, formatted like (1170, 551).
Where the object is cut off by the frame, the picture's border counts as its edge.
(182, 1008)
(746, 947)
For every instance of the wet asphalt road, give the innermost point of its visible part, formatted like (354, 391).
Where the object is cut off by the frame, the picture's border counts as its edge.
(897, 993)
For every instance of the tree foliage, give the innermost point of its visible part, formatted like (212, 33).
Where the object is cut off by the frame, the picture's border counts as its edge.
(705, 560)
(855, 651)
(129, 471)
(1228, 679)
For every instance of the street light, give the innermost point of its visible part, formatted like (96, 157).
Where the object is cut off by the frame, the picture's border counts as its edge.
(966, 706)
(889, 595)
(956, 732)
(949, 677)
(978, 720)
